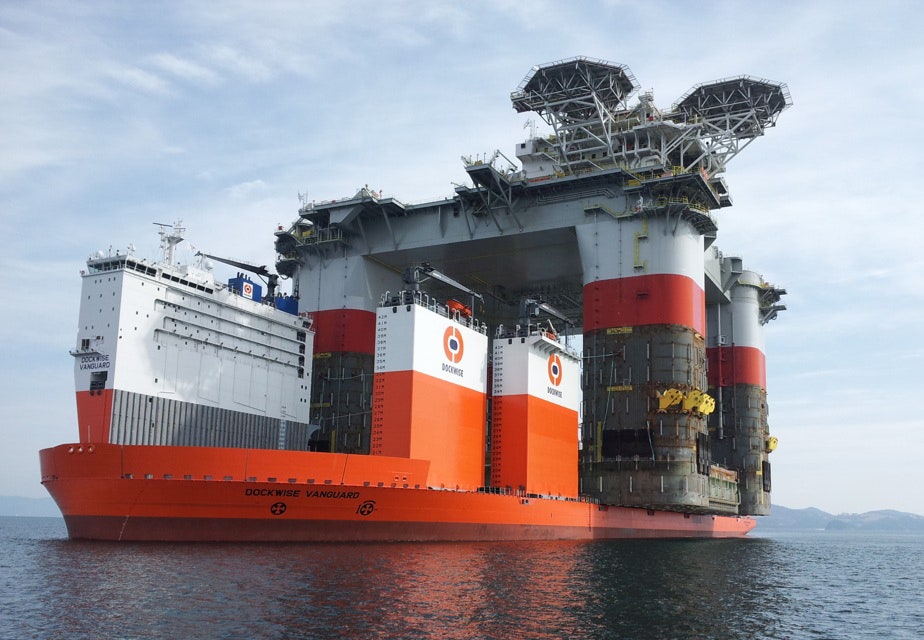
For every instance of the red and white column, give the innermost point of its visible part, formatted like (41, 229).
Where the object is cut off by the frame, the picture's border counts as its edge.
(644, 320)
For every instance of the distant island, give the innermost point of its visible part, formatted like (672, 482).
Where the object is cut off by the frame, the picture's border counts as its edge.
(780, 518)
(783, 518)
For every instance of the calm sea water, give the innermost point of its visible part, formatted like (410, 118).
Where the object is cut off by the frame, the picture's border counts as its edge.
(798, 585)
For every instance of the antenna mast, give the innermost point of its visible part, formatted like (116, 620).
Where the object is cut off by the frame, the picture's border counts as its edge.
(169, 239)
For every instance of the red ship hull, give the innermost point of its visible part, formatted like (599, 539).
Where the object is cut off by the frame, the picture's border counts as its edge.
(113, 492)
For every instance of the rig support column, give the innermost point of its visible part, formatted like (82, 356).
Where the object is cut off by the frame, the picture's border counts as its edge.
(738, 380)
(644, 432)
(345, 287)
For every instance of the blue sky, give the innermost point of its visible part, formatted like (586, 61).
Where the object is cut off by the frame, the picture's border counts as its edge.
(115, 115)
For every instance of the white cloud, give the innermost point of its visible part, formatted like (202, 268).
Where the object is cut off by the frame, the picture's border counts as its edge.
(140, 79)
(184, 69)
(238, 63)
(245, 190)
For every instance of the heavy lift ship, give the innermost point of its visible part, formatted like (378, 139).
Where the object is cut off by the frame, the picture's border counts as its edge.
(607, 226)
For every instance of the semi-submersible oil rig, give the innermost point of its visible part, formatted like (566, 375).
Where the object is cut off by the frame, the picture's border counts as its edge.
(609, 228)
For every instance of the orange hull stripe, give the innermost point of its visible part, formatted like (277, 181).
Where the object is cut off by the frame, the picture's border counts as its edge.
(94, 496)
(212, 463)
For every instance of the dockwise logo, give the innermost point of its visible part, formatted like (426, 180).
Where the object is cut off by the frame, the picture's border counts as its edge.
(453, 346)
(555, 371)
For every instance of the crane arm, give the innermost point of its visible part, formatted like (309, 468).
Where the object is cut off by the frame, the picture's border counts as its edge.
(260, 271)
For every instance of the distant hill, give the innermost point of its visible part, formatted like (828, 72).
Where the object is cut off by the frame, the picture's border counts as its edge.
(785, 518)
(884, 520)
(35, 507)
(782, 518)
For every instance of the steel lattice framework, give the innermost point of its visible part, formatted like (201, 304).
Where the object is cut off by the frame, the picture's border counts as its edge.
(585, 101)
(580, 98)
(726, 115)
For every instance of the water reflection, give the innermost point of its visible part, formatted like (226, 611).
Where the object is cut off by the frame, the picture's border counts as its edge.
(678, 589)
(799, 586)
(622, 589)
(440, 590)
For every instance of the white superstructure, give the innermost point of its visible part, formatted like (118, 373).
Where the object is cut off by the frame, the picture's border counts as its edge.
(166, 355)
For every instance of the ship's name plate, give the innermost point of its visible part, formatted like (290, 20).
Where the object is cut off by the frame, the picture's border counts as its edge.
(296, 493)
(94, 362)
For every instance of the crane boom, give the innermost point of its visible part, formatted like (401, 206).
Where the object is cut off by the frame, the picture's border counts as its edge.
(271, 279)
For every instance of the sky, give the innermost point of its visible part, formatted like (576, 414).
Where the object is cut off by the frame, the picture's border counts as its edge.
(116, 115)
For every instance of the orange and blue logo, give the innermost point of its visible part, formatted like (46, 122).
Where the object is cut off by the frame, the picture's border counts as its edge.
(453, 346)
(555, 371)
